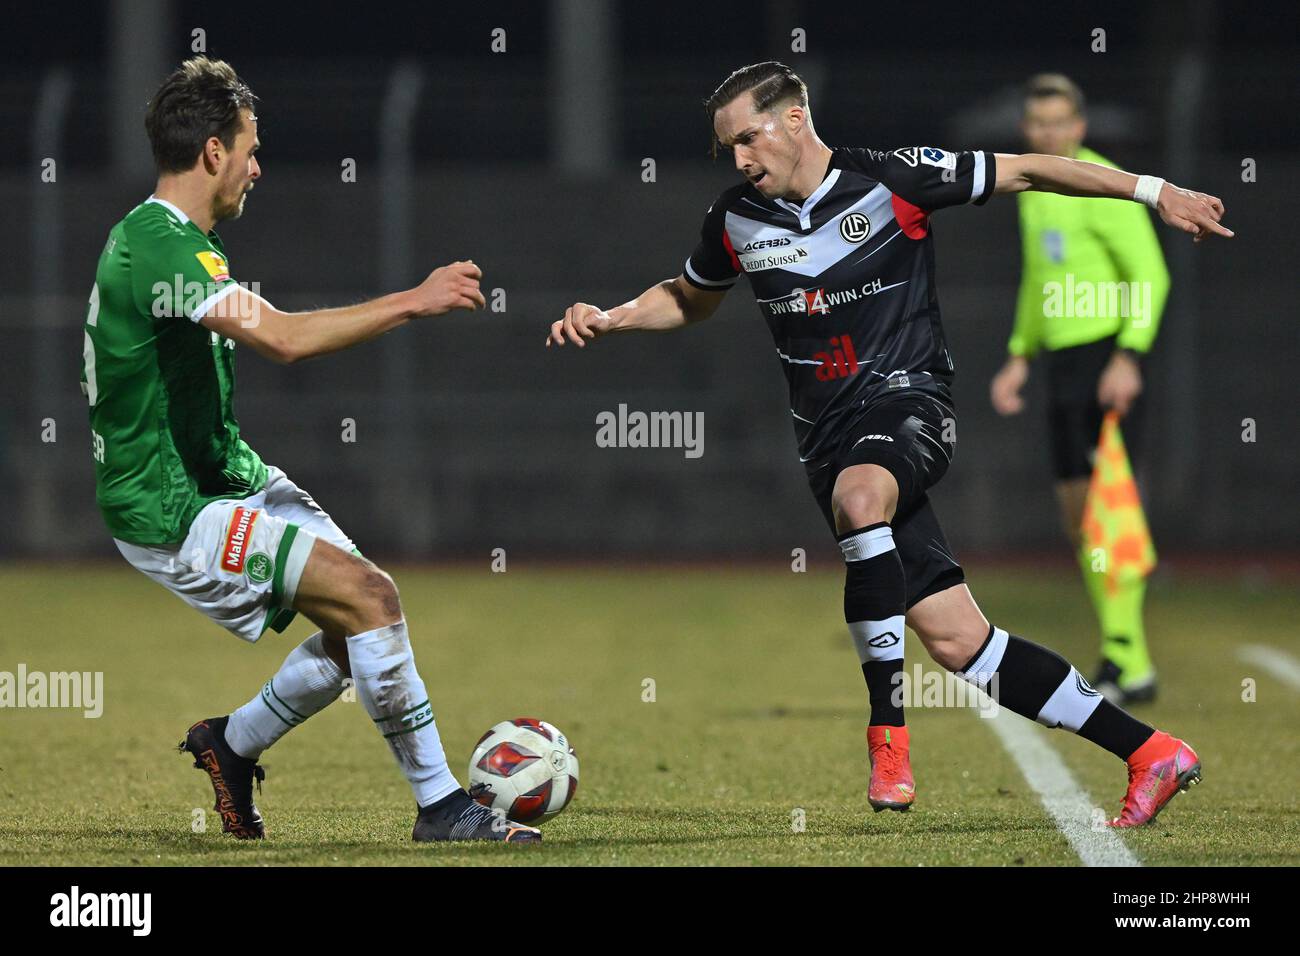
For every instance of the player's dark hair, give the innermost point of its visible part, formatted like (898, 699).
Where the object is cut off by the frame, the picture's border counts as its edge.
(202, 99)
(769, 82)
(1043, 85)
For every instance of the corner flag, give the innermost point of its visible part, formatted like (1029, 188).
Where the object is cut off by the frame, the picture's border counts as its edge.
(1114, 527)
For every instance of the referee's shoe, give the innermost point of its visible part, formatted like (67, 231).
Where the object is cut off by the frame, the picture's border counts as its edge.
(1107, 684)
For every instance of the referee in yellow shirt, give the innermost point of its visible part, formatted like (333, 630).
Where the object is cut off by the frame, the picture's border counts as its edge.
(1092, 290)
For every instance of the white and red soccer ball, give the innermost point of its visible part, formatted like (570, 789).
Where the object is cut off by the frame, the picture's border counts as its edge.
(524, 768)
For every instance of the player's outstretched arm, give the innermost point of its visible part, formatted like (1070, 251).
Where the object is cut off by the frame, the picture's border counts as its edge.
(1183, 209)
(288, 337)
(671, 304)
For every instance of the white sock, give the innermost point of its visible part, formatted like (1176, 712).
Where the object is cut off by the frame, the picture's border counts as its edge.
(307, 682)
(390, 689)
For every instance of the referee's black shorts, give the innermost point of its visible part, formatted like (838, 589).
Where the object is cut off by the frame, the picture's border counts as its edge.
(912, 436)
(1073, 413)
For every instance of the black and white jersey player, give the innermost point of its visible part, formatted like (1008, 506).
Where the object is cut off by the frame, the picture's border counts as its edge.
(838, 250)
(845, 279)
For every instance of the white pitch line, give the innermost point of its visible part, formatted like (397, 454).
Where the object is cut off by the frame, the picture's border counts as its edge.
(1279, 663)
(1062, 797)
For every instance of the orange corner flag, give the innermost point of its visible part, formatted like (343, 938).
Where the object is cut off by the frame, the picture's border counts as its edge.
(1116, 539)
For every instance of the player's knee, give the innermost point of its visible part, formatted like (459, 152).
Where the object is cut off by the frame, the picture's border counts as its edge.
(859, 507)
(378, 603)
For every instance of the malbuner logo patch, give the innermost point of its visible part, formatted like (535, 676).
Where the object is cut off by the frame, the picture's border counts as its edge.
(238, 535)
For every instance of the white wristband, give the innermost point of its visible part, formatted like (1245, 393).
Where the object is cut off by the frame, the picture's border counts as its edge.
(1148, 190)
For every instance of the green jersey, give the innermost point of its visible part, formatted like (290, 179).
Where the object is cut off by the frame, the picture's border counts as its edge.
(160, 385)
(1092, 269)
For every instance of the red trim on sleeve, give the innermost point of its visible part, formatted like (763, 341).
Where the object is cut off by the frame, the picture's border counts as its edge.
(726, 241)
(913, 220)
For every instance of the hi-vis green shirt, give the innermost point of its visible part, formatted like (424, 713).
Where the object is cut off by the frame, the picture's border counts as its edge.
(160, 385)
(1092, 268)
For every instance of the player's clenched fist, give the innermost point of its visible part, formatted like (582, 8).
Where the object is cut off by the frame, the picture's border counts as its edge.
(581, 321)
(450, 287)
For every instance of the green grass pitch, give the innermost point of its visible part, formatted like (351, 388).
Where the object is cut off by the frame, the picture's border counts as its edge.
(759, 711)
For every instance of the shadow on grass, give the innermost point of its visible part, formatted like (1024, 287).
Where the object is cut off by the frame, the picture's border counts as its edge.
(778, 712)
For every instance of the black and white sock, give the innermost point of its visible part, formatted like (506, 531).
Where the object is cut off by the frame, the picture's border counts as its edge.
(1042, 685)
(874, 599)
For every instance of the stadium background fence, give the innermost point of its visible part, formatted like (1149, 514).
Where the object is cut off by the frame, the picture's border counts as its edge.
(468, 435)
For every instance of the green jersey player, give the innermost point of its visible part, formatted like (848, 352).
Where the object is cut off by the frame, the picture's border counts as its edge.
(192, 506)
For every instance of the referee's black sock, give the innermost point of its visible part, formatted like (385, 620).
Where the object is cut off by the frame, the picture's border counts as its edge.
(1042, 685)
(874, 598)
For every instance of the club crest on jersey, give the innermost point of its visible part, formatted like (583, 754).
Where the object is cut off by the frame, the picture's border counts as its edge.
(214, 264)
(235, 549)
(839, 361)
(854, 227)
(259, 567)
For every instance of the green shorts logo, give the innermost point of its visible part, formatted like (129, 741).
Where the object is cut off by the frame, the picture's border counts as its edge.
(259, 567)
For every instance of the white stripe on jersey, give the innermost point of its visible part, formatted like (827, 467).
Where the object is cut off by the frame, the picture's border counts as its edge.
(804, 212)
(795, 361)
(170, 207)
(717, 283)
(881, 246)
(977, 177)
(789, 295)
(824, 246)
(204, 307)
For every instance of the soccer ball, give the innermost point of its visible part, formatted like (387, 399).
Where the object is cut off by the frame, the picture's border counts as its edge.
(524, 768)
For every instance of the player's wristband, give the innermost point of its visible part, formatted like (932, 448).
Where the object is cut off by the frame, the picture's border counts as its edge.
(1148, 190)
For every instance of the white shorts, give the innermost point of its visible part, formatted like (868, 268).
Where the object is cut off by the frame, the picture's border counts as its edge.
(241, 561)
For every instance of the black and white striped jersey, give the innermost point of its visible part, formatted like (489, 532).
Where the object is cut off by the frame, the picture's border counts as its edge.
(846, 280)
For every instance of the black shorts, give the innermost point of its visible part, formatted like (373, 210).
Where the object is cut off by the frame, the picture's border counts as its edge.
(1073, 414)
(912, 436)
